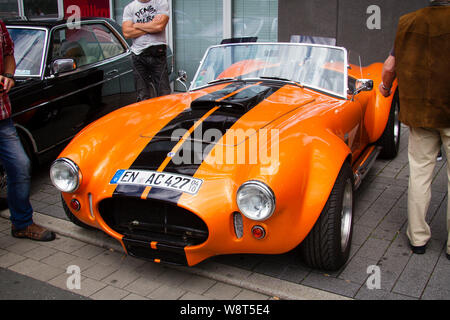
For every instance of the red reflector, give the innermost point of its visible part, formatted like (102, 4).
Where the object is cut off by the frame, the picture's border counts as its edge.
(258, 232)
(75, 204)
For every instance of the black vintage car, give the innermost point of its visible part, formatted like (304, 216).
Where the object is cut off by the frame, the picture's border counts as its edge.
(67, 76)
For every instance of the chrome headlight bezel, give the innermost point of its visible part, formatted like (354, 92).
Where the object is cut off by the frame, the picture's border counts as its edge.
(263, 190)
(73, 170)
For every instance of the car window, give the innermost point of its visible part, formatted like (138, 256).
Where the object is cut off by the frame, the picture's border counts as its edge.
(79, 44)
(109, 43)
(28, 50)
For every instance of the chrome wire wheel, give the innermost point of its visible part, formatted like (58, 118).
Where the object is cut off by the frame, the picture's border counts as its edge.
(346, 215)
(396, 123)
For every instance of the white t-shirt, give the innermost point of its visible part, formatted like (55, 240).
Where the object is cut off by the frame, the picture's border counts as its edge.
(142, 12)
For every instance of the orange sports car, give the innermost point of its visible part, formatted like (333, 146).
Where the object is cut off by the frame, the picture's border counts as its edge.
(261, 155)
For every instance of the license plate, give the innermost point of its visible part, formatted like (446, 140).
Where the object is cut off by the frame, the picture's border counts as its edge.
(157, 179)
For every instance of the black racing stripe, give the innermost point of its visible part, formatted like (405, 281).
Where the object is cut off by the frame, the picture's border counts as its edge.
(222, 119)
(156, 150)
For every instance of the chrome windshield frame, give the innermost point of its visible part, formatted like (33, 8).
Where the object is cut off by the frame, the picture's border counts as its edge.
(342, 95)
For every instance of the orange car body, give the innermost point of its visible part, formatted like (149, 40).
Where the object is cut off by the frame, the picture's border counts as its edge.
(316, 134)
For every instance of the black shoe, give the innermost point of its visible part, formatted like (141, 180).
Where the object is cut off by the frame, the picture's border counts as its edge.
(448, 256)
(418, 249)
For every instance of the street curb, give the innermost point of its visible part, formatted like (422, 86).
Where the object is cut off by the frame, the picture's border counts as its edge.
(275, 288)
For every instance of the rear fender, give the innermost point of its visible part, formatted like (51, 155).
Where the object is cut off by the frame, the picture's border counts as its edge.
(378, 107)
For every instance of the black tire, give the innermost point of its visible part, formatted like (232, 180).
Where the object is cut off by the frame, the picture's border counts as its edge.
(327, 246)
(73, 218)
(390, 139)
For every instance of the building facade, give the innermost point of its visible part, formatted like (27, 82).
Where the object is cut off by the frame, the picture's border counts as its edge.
(365, 26)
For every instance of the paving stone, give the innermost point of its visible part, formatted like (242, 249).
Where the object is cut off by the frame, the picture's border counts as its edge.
(99, 271)
(133, 296)
(59, 259)
(121, 277)
(110, 293)
(9, 259)
(36, 270)
(193, 296)
(222, 291)
(373, 248)
(166, 293)
(196, 284)
(87, 286)
(374, 294)
(40, 253)
(23, 246)
(250, 295)
(88, 251)
(331, 284)
(412, 282)
(356, 270)
(143, 286)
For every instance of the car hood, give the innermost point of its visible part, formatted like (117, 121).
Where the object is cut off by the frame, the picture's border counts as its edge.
(238, 106)
(151, 141)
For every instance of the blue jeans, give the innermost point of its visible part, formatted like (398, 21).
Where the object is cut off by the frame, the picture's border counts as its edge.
(18, 171)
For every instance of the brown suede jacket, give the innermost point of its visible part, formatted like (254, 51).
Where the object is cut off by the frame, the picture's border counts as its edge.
(422, 64)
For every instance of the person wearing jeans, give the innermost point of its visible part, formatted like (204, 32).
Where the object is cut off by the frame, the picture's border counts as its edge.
(12, 155)
(145, 21)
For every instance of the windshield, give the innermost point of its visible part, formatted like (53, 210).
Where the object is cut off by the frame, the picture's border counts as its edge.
(28, 50)
(314, 66)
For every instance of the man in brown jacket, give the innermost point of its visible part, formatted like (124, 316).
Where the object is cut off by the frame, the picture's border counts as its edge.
(421, 62)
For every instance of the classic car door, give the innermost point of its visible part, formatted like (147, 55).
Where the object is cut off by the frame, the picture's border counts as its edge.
(93, 89)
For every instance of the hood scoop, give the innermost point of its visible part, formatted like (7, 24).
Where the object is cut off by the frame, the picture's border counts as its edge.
(242, 101)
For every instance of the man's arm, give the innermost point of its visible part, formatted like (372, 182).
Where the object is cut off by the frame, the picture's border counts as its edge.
(387, 76)
(10, 67)
(130, 32)
(158, 24)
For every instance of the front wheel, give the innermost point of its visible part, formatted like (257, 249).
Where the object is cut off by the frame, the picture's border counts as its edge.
(327, 246)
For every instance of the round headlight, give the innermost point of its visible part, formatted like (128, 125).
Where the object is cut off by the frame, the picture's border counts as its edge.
(255, 200)
(65, 175)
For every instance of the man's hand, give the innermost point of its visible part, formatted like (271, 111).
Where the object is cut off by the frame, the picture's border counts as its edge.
(10, 67)
(387, 75)
(384, 91)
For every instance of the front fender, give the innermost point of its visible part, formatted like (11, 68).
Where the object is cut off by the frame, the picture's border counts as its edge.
(308, 168)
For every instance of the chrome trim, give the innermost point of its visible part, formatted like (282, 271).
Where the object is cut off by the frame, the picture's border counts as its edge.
(44, 49)
(343, 95)
(364, 168)
(265, 189)
(346, 215)
(72, 166)
(91, 207)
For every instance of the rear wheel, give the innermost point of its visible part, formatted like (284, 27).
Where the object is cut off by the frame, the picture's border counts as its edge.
(390, 139)
(327, 246)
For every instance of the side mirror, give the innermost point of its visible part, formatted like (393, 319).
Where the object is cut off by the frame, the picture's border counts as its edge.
(362, 85)
(182, 78)
(62, 65)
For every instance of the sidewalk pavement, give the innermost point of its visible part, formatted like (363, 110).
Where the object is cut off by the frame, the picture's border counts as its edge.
(379, 240)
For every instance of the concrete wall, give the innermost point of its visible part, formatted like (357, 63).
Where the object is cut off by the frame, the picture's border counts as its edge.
(370, 33)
